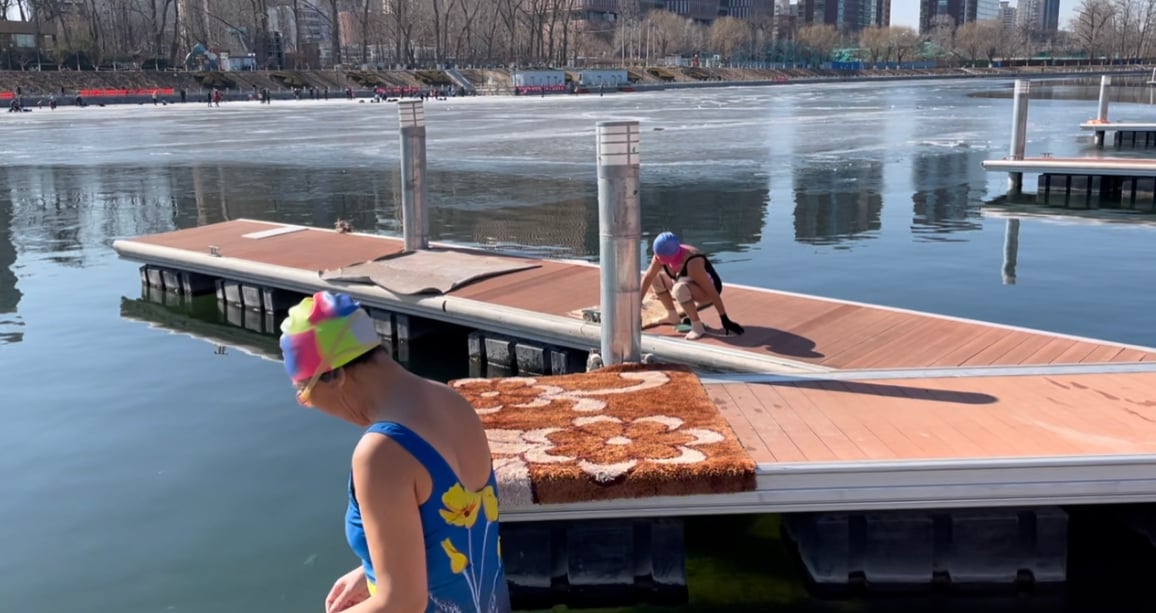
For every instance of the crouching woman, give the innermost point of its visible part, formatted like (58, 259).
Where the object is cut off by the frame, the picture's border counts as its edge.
(682, 273)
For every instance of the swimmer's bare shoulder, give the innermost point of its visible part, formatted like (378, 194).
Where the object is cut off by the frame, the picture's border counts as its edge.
(452, 403)
(457, 416)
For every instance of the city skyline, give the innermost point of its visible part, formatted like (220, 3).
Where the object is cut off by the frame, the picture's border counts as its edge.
(906, 12)
(903, 13)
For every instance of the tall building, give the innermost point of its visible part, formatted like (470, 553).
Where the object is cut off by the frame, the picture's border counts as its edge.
(748, 9)
(1007, 15)
(960, 11)
(847, 16)
(699, 10)
(1051, 16)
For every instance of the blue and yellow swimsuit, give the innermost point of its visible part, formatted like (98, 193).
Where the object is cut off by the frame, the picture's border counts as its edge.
(462, 551)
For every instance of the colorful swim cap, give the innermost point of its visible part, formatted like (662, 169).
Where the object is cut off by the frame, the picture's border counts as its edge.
(325, 332)
(666, 245)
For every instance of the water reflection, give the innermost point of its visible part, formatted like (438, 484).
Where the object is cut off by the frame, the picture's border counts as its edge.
(63, 212)
(11, 326)
(836, 205)
(949, 191)
(442, 354)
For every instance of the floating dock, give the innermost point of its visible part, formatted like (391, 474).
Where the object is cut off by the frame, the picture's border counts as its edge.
(872, 426)
(268, 266)
(962, 412)
(1083, 183)
(1125, 133)
(1103, 167)
(1086, 183)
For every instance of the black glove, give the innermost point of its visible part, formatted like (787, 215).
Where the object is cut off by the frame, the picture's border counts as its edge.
(730, 326)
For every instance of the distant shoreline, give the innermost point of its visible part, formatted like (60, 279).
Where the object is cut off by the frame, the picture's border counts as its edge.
(36, 87)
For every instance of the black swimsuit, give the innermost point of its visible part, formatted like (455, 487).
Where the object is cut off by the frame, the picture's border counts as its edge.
(709, 270)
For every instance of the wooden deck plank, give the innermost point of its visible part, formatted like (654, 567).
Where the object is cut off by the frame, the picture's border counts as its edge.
(1080, 393)
(775, 438)
(1019, 414)
(865, 398)
(858, 332)
(868, 410)
(992, 352)
(814, 330)
(1103, 354)
(751, 440)
(891, 347)
(956, 356)
(1046, 354)
(791, 398)
(972, 439)
(932, 342)
(766, 408)
(1131, 355)
(845, 416)
(1076, 354)
(952, 418)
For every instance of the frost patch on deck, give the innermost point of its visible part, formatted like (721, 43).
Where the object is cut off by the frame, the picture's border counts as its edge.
(273, 232)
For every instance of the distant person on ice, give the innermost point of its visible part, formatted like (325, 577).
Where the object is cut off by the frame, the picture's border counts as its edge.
(682, 273)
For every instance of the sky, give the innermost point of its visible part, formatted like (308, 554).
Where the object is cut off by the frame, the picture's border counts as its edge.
(906, 12)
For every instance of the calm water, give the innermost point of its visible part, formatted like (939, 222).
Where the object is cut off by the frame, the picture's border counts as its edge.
(143, 471)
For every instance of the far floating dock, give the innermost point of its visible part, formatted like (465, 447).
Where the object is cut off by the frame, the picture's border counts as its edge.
(1131, 134)
(1086, 183)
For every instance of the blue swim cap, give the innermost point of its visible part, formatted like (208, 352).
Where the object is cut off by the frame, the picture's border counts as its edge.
(666, 244)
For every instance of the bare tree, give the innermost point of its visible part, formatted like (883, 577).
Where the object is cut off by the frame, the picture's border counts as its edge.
(819, 40)
(729, 35)
(876, 42)
(667, 32)
(904, 41)
(1093, 26)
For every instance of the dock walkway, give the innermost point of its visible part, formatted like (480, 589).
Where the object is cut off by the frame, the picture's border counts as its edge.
(786, 332)
(856, 406)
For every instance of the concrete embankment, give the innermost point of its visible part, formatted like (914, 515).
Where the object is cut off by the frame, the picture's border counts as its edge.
(138, 86)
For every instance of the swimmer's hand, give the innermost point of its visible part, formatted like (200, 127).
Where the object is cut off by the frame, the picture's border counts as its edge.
(347, 591)
(730, 326)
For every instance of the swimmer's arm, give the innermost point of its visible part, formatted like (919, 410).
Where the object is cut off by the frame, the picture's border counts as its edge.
(648, 277)
(383, 477)
(697, 271)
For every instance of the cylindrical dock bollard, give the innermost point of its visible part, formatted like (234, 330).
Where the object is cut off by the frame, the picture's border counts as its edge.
(620, 233)
(1105, 83)
(1019, 131)
(414, 217)
(1011, 250)
(1102, 114)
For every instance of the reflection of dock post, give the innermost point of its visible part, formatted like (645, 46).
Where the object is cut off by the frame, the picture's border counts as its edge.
(1011, 249)
(620, 233)
(1102, 114)
(414, 215)
(1019, 131)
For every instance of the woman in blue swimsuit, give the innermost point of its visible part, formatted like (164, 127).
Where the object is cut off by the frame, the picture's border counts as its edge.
(423, 500)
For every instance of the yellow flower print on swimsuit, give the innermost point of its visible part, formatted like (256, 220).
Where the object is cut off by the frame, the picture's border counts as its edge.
(463, 549)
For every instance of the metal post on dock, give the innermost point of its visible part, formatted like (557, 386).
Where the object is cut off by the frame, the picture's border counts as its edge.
(1011, 250)
(1019, 131)
(414, 216)
(1102, 114)
(620, 235)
